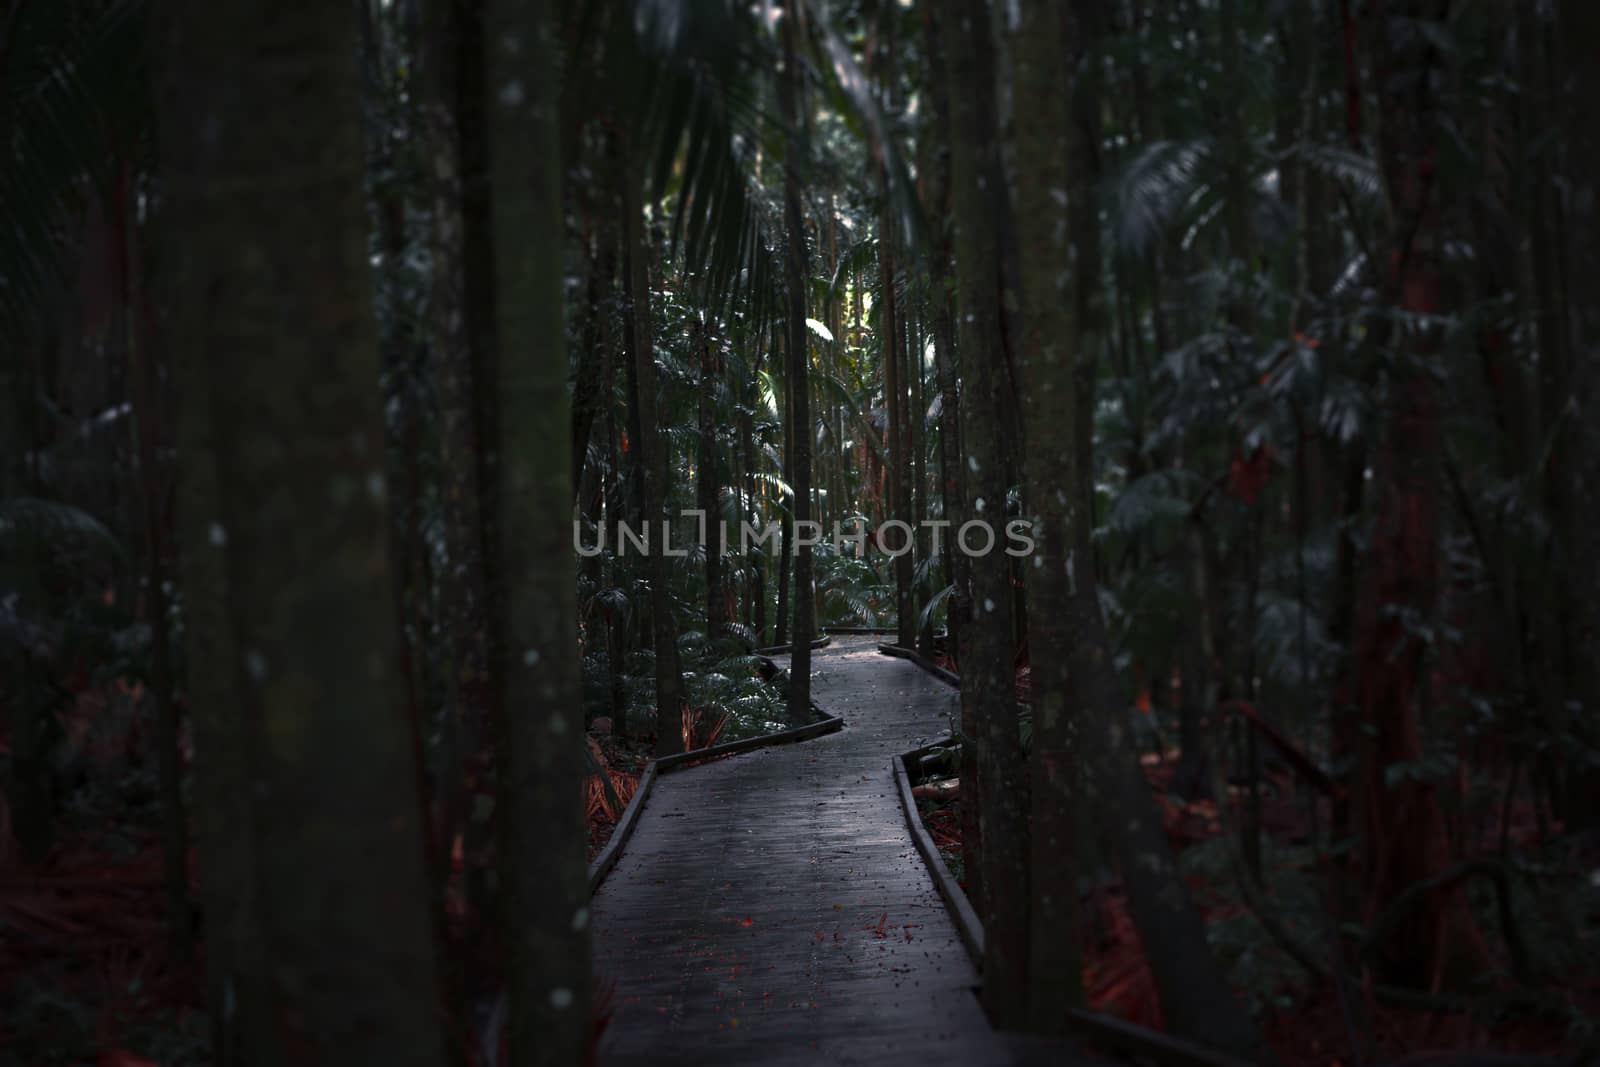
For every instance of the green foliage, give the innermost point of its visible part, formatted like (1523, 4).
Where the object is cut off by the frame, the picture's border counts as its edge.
(1255, 962)
(73, 117)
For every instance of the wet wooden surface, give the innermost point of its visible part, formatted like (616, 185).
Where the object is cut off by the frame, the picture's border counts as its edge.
(770, 907)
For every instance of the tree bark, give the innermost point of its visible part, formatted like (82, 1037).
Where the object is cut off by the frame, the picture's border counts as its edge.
(942, 283)
(539, 723)
(651, 458)
(708, 487)
(791, 90)
(987, 679)
(1398, 824)
(1053, 489)
(1580, 36)
(313, 850)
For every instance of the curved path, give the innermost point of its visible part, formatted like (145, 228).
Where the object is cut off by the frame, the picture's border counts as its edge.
(770, 907)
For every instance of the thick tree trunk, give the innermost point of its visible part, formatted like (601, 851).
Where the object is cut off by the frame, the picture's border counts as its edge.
(1580, 37)
(313, 851)
(539, 724)
(1053, 489)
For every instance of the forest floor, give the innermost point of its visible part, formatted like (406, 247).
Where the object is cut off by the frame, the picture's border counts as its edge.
(624, 762)
(1304, 1021)
(86, 961)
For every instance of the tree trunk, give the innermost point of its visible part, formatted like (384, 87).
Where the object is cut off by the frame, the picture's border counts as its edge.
(651, 459)
(942, 284)
(891, 352)
(539, 724)
(1398, 824)
(1580, 35)
(151, 403)
(1053, 490)
(312, 839)
(987, 677)
(791, 89)
(786, 538)
(708, 487)
(754, 561)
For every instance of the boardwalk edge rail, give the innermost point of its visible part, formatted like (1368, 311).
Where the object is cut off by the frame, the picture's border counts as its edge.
(612, 852)
(901, 652)
(783, 650)
(966, 920)
(1096, 1028)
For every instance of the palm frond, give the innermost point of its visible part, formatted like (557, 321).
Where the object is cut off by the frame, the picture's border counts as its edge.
(1154, 189)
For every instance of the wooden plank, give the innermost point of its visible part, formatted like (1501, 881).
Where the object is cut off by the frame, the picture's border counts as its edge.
(773, 907)
(901, 652)
(746, 744)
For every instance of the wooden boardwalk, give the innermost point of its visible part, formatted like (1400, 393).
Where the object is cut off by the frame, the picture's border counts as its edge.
(770, 907)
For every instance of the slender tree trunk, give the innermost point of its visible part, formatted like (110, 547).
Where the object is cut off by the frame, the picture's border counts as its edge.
(651, 458)
(891, 351)
(890, 332)
(150, 405)
(942, 285)
(314, 850)
(708, 486)
(987, 677)
(588, 396)
(755, 563)
(786, 538)
(1399, 827)
(919, 481)
(791, 90)
(539, 724)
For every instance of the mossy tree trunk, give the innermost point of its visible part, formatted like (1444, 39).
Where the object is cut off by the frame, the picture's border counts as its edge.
(1053, 490)
(312, 833)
